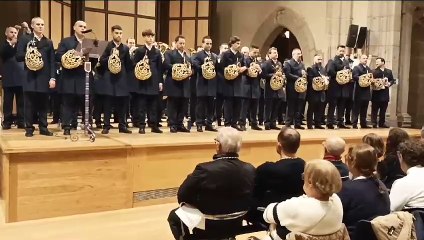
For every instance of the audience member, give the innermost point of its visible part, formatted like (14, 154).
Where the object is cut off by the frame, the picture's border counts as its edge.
(221, 187)
(334, 147)
(389, 169)
(376, 142)
(364, 197)
(408, 192)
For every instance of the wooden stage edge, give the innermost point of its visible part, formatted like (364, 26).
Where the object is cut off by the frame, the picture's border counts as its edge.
(43, 177)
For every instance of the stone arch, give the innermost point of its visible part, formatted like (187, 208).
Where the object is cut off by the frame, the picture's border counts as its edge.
(286, 18)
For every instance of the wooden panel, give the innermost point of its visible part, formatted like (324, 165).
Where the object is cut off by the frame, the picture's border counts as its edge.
(66, 21)
(174, 8)
(125, 22)
(202, 30)
(122, 6)
(188, 27)
(142, 24)
(147, 8)
(56, 24)
(44, 14)
(95, 4)
(96, 21)
(174, 29)
(203, 8)
(5, 184)
(189, 8)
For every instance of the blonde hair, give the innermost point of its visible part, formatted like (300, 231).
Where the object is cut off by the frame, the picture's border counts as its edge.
(323, 176)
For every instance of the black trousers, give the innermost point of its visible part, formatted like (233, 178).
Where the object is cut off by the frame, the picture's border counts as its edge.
(282, 111)
(134, 108)
(146, 105)
(313, 115)
(177, 109)
(272, 106)
(261, 108)
(294, 109)
(56, 105)
(9, 94)
(334, 103)
(360, 108)
(219, 106)
(323, 107)
(193, 104)
(98, 102)
(72, 104)
(120, 105)
(232, 109)
(249, 108)
(35, 103)
(348, 109)
(204, 111)
(379, 108)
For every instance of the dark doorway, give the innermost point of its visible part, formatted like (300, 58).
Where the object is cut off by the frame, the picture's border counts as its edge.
(285, 42)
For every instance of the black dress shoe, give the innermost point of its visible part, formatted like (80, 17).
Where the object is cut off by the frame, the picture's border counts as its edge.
(256, 127)
(261, 123)
(280, 122)
(142, 130)
(355, 126)
(243, 127)
(173, 130)
(219, 122)
(267, 127)
(310, 127)
(156, 130)
(236, 127)
(159, 125)
(183, 129)
(365, 127)
(299, 127)
(319, 127)
(29, 134)
(273, 127)
(342, 126)
(348, 123)
(384, 126)
(210, 128)
(124, 130)
(374, 126)
(21, 126)
(105, 131)
(6, 127)
(46, 133)
(67, 132)
(199, 128)
(330, 126)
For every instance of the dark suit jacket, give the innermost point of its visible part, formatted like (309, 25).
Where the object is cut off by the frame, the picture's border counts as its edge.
(219, 75)
(12, 70)
(382, 95)
(204, 87)
(232, 88)
(250, 86)
(221, 186)
(175, 88)
(268, 70)
(151, 85)
(37, 81)
(293, 71)
(361, 93)
(312, 95)
(335, 90)
(114, 84)
(72, 81)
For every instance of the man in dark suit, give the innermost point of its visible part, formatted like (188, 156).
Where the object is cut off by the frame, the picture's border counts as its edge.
(232, 89)
(219, 101)
(72, 84)
(205, 88)
(13, 73)
(294, 69)
(337, 94)
(362, 95)
(36, 84)
(146, 92)
(380, 98)
(315, 98)
(178, 92)
(114, 87)
(222, 187)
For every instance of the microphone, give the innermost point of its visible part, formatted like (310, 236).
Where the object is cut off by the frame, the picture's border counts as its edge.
(87, 31)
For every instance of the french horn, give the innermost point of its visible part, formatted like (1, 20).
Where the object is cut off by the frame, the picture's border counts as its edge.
(301, 84)
(344, 76)
(365, 80)
(181, 71)
(320, 83)
(163, 47)
(114, 62)
(379, 84)
(278, 80)
(71, 60)
(33, 58)
(253, 70)
(208, 69)
(142, 69)
(231, 72)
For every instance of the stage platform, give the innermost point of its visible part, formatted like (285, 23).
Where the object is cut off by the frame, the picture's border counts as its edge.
(44, 177)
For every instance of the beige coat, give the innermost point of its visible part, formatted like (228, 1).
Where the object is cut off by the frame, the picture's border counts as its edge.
(394, 226)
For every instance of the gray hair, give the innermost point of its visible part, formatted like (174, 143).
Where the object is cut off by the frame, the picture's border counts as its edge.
(229, 139)
(335, 145)
(35, 18)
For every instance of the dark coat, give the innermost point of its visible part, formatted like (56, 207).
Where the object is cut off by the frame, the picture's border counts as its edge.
(335, 90)
(361, 93)
(219, 76)
(72, 81)
(221, 186)
(12, 70)
(204, 87)
(232, 88)
(175, 88)
(382, 95)
(311, 94)
(293, 71)
(114, 84)
(37, 81)
(151, 85)
(250, 86)
(268, 70)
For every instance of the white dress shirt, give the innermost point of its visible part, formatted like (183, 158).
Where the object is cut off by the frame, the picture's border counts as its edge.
(408, 192)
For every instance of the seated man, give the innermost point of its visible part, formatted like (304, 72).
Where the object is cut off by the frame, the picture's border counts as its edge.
(219, 189)
(334, 147)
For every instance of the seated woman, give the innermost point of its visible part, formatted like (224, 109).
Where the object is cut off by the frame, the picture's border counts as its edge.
(319, 212)
(376, 142)
(364, 197)
(408, 192)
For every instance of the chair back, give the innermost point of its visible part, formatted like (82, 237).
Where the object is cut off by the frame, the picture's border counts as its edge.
(364, 231)
(419, 223)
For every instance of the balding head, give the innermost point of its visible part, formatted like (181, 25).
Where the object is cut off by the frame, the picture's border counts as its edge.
(79, 27)
(334, 146)
(245, 51)
(11, 33)
(296, 54)
(289, 140)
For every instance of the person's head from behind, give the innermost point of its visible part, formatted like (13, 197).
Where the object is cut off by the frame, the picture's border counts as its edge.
(411, 154)
(396, 137)
(228, 140)
(288, 142)
(361, 160)
(334, 146)
(376, 142)
(321, 179)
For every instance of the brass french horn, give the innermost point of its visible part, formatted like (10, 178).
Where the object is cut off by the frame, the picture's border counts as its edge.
(320, 83)
(301, 84)
(379, 84)
(142, 69)
(344, 76)
(181, 71)
(365, 80)
(33, 58)
(208, 69)
(278, 80)
(231, 72)
(114, 62)
(71, 60)
(253, 70)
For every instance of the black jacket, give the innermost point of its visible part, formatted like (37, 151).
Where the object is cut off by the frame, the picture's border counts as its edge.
(175, 88)
(232, 88)
(12, 70)
(204, 87)
(219, 75)
(151, 85)
(37, 81)
(268, 70)
(312, 95)
(335, 90)
(250, 86)
(382, 95)
(222, 186)
(361, 93)
(389, 169)
(293, 71)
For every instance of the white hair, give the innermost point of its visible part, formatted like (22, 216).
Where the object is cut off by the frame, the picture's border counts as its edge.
(35, 18)
(245, 49)
(229, 139)
(335, 145)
